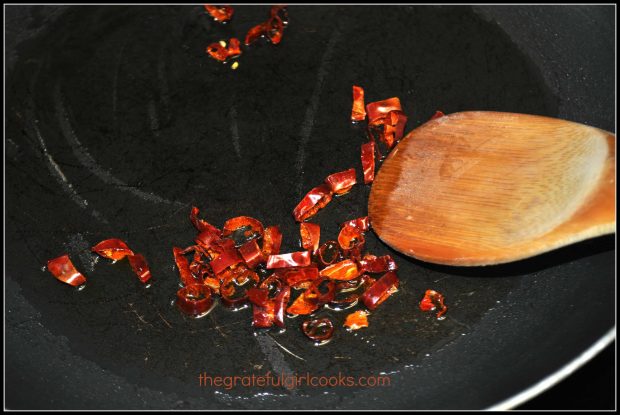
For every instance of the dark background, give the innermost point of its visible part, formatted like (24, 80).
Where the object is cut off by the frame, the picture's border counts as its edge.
(65, 51)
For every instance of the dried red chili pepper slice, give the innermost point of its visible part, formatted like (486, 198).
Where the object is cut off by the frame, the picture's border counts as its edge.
(234, 47)
(320, 330)
(187, 278)
(363, 223)
(251, 253)
(303, 305)
(437, 114)
(213, 283)
(194, 300)
(273, 283)
(341, 182)
(249, 226)
(274, 29)
(202, 225)
(227, 256)
(380, 290)
(268, 310)
(345, 296)
(352, 241)
(221, 14)
(272, 240)
(206, 238)
(376, 265)
(356, 320)
(235, 285)
(297, 275)
(393, 128)
(433, 300)
(323, 289)
(368, 161)
(140, 267)
(280, 303)
(114, 249)
(342, 271)
(63, 269)
(258, 296)
(310, 235)
(217, 51)
(293, 259)
(329, 253)
(377, 111)
(281, 12)
(314, 200)
(263, 315)
(358, 113)
(255, 33)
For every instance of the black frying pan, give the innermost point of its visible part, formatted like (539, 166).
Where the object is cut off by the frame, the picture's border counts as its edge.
(117, 122)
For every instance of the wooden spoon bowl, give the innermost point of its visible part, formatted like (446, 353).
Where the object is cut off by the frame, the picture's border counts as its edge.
(481, 188)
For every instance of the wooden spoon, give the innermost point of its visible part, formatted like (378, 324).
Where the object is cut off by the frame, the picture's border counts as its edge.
(481, 188)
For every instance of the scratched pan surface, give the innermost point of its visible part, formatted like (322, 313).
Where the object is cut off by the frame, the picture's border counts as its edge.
(117, 123)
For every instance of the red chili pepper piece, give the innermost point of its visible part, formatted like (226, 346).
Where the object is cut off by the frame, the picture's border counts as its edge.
(344, 297)
(236, 282)
(358, 113)
(140, 267)
(280, 11)
(194, 300)
(255, 32)
(114, 249)
(183, 265)
(314, 200)
(280, 303)
(320, 330)
(434, 300)
(227, 256)
(342, 271)
(63, 269)
(363, 223)
(213, 283)
(380, 290)
(220, 13)
(377, 111)
(298, 275)
(393, 128)
(206, 238)
(376, 265)
(341, 182)
(351, 240)
(274, 29)
(263, 315)
(268, 310)
(323, 290)
(310, 235)
(303, 305)
(234, 47)
(272, 240)
(217, 51)
(202, 225)
(356, 320)
(437, 114)
(368, 161)
(293, 259)
(251, 225)
(328, 253)
(258, 296)
(251, 253)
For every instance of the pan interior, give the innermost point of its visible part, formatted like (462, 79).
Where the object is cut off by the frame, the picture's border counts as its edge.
(119, 122)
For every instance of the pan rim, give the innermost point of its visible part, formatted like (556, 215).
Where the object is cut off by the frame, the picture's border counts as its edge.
(556, 377)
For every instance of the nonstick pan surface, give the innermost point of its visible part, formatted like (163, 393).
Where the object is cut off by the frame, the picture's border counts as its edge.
(117, 123)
